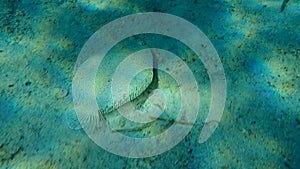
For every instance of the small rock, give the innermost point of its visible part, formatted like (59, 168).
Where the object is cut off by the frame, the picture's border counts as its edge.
(27, 83)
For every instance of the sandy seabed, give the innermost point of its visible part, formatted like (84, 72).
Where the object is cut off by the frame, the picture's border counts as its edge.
(257, 44)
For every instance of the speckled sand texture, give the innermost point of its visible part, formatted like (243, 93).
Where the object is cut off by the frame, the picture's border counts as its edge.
(257, 44)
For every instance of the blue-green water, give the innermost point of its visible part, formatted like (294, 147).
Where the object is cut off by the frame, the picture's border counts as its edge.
(258, 46)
